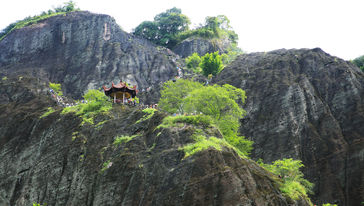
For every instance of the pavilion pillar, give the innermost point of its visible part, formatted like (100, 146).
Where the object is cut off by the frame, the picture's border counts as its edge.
(123, 97)
(114, 97)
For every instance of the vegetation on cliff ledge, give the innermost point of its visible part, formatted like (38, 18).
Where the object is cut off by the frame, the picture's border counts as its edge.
(67, 7)
(172, 27)
(218, 103)
(293, 185)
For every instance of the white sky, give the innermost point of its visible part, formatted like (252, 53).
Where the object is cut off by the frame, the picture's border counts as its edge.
(262, 25)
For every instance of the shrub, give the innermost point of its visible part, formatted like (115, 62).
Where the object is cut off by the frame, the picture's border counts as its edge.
(49, 111)
(211, 63)
(149, 114)
(123, 139)
(172, 121)
(96, 103)
(56, 88)
(294, 185)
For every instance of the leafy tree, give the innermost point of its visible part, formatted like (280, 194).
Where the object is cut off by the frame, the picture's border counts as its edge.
(218, 102)
(294, 185)
(211, 63)
(359, 62)
(173, 93)
(193, 62)
(148, 30)
(164, 28)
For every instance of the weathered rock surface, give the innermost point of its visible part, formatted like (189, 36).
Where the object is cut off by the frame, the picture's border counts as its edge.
(55, 160)
(84, 51)
(201, 46)
(307, 105)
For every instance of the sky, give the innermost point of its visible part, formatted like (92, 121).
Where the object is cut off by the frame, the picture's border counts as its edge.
(336, 26)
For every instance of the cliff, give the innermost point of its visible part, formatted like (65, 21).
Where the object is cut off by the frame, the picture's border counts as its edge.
(201, 46)
(57, 161)
(307, 105)
(82, 51)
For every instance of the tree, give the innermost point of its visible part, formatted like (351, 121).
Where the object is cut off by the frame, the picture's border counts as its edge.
(211, 63)
(193, 62)
(359, 62)
(218, 102)
(294, 184)
(165, 27)
(173, 93)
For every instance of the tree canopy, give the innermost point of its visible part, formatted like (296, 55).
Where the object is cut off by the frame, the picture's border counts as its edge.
(221, 103)
(359, 62)
(164, 28)
(171, 27)
(294, 185)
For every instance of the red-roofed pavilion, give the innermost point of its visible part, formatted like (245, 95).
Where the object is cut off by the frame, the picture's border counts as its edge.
(120, 91)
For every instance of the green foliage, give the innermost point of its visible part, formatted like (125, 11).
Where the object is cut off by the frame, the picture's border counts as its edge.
(67, 7)
(56, 88)
(294, 185)
(328, 204)
(359, 62)
(202, 143)
(96, 103)
(173, 94)
(149, 114)
(193, 63)
(5, 78)
(229, 57)
(106, 166)
(123, 139)
(48, 112)
(211, 63)
(164, 28)
(198, 120)
(37, 204)
(171, 27)
(217, 104)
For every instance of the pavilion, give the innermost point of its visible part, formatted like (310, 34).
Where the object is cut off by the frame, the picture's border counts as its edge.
(120, 91)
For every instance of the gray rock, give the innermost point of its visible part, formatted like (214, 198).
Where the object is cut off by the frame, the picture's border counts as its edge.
(84, 51)
(55, 160)
(201, 46)
(305, 104)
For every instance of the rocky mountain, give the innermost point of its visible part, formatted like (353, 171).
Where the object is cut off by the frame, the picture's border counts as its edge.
(58, 161)
(308, 105)
(82, 51)
(201, 46)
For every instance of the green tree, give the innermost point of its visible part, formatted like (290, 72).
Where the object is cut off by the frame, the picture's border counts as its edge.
(359, 62)
(221, 103)
(193, 62)
(165, 27)
(211, 63)
(173, 94)
(294, 185)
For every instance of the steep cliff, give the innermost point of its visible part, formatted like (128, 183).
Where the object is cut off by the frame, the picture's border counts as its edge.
(57, 161)
(84, 51)
(201, 46)
(307, 105)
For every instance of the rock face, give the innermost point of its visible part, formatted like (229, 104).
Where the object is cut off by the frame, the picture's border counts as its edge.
(308, 105)
(84, 51)
(200, 46)
(57, 161)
